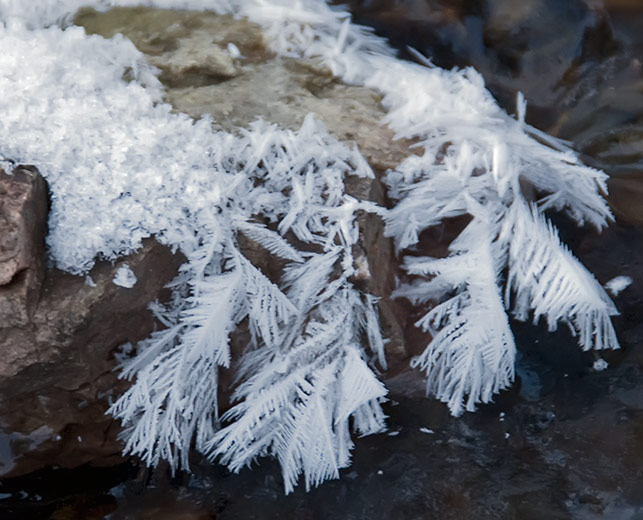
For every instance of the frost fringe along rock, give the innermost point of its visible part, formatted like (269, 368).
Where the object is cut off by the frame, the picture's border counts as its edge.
(122, 167)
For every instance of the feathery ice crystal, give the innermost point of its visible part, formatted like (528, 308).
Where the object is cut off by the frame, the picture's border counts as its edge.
(122, 166)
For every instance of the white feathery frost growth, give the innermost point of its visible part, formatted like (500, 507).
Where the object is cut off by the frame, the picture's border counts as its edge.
(122, 166)
(297, 397)
(304, 369)
(477, 171)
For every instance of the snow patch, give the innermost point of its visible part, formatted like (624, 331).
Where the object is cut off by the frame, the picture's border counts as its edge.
(125, 277)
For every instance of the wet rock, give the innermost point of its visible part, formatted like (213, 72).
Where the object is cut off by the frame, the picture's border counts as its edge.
(62, 494)
(57, 369)
(163, 503)
(626, 193)
(626, 5)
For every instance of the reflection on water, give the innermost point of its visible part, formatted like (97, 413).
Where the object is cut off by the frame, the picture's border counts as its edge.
(565, 441)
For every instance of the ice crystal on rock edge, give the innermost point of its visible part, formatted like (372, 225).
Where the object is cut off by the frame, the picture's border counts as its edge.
(122, 166)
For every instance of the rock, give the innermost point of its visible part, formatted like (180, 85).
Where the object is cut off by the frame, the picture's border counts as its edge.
(256, 85)
(626, 5)
(57, 364)
(23, 225)
(23, 209)
(193, 63)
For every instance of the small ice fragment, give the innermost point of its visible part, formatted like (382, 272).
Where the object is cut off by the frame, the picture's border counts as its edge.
(426, 430)
(57, 438)
(393, 434)
(507, 435)
(599, 365)
(89, 281)
(80, 439)
(501, 417)
(618, 284)
(234, 51)
(124, 277)
(380, 472)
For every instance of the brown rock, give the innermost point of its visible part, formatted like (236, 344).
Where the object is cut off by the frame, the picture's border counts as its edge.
(625, 194)
(23, 225)
(23, 213)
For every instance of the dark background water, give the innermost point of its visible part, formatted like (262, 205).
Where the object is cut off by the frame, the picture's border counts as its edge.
(565, 441)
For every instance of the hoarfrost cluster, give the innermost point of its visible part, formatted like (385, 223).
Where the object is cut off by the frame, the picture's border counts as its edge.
(122, 166)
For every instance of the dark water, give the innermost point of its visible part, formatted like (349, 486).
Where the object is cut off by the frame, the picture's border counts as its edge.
(565, 441)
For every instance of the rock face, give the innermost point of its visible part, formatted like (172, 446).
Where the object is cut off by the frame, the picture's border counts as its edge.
(58, 333)
(23, 225)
